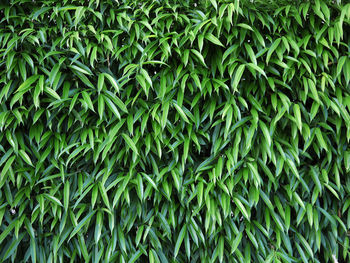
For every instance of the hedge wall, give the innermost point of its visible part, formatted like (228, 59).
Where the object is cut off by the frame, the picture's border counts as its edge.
(174, 131)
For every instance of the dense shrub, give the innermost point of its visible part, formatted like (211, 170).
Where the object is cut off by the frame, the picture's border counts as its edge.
(174, 131)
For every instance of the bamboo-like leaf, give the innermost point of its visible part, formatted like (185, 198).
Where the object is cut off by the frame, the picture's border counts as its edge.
(181, 112)
(241, 208)
(174, 131)
(25, 157)
(272, 49)
(111, 106)
(179, 240)
(130, 143)
(27, 83)
(251, 53)
(236, 242)
(112, 81)
(81, 224)
(245, 26)
(265, 132)
(238, 76)
(7, 231)
(101, 106)
(100, 83)
(52, 93)
(87, 99)
(66, 195)
(120, 104)
(257, 68)
(213, 39)
(53, 199)
(199, 55)
(7, 166)
(297, 116)
(320, 139)
(150, 181)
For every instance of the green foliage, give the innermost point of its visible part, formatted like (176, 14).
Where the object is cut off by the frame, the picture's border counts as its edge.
(174, 131)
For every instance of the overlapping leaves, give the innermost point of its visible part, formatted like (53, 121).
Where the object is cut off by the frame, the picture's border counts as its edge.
(174, 131)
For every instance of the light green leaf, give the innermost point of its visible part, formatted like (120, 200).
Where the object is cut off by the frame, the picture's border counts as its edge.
(7, 167)
(297, 116)
(320, 139)
(238, 76)
(130, 143)
(25, 157)
(199, 55)
(180, 238)
(181, 112)
(112, 81)
(53, 199)
(272, 49)
(245, 26)
(111, 106)
(242, 208)
(213, 39)
(82, 223)
(149, 179)
(101, 79)
(87, 99)
(66, 195)
(27, 83)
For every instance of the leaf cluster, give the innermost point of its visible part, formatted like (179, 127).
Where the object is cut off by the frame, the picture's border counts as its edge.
(174, 131)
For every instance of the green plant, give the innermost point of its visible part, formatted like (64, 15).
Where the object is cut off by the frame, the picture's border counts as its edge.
(174, 131)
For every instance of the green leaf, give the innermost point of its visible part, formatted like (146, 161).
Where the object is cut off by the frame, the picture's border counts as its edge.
(25, 157)
(241, 208)
(104, 195)
(266, 132)
(79, 13)
(101, 106)
(213, 39)
(112, 81)
(297, 116)
(7, 230)
(130, 143)
(221, 248)
(111, 106)
(54, 72)
(27, 83)
(199, 55)
(272, 49)
(236, 241)
(121, 239)
(66, 195)
(251, 53)
(52, 93)
(53, 199)
(293, 167)
(146, 76)
(179, 240)
(150, 181)
(7, 166)
(214, 3)
(181, 112)
(257, 68)
(245, 26)
(141, 80)
(100, 82)
(135, 256)
(238, 76)
(81, 224)
(87, 99)
(320, 139)
(13, 246)
(120, 104)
